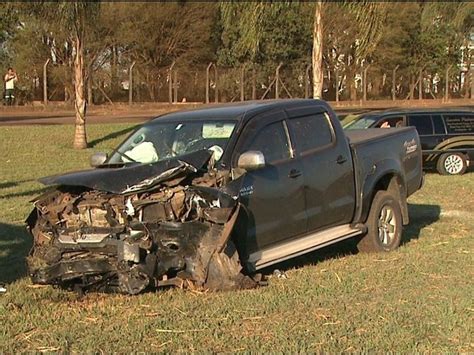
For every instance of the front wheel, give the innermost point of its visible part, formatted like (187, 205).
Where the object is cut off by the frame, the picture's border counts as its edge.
(384, 224)
(452, 164)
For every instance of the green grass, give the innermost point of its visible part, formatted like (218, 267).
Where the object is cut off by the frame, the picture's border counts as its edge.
(418, 298)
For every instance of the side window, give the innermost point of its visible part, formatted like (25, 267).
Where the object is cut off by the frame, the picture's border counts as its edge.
(438, 124)
(422, 123)
(272, 141)
(390, 122)
(312, 132)
(460, 123)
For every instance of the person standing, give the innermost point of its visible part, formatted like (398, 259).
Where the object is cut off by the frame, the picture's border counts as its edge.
(10, 79)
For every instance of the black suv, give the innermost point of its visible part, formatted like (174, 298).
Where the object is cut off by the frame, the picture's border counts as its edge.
(447, 136)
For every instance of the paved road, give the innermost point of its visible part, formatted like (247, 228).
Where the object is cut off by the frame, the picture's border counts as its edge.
(41, 118)
(48, 118)
(21, 117)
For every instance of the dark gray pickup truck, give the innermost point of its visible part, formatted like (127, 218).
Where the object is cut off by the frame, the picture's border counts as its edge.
(206, 198)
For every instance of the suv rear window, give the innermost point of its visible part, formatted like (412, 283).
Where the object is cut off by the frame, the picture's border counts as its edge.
(459, 123)
(423, 124)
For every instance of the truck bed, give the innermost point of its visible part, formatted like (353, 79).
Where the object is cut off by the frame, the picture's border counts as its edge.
(376, 151)
(358, 136)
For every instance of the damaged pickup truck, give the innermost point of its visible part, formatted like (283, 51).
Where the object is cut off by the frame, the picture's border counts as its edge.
(207, 198)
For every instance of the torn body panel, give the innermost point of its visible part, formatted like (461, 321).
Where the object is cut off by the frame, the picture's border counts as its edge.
(153, 233)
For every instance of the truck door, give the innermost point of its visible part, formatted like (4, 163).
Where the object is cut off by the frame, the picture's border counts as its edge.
(272, 196)
(327, 163)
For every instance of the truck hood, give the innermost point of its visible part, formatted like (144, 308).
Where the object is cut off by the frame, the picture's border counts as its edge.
(129, 178)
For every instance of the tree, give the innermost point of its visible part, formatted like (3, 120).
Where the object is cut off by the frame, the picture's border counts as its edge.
(317, 58)
(251, 28)
(74, 18)
(166, 32)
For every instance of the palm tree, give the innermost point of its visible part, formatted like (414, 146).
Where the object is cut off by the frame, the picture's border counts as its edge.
(370, 16)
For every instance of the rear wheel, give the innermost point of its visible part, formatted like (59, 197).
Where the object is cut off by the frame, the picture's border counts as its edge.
(384, 224)
(452, 164)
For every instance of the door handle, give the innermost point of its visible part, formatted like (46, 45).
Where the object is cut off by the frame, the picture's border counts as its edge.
(341, 160)
(293, 174)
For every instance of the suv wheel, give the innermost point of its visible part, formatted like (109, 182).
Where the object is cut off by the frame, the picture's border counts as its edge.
(384, 224)
(451, 164)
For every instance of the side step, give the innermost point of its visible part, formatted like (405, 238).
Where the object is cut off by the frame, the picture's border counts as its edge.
(300, 246)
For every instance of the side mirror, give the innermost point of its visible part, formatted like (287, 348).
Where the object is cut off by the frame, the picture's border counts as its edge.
(98, 159)
(251, 160)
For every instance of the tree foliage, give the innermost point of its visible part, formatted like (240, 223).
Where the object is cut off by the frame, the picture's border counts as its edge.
(410, 36)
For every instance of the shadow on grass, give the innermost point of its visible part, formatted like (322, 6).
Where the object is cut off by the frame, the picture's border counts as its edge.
(111, 136)
(420, 217)
(5, 185)
(33, 193)
(15, 244)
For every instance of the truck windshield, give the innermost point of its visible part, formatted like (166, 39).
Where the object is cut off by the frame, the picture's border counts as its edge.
(361, 122)
(160, 141)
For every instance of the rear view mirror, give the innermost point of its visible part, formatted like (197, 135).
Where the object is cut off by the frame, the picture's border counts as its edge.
(251, 160)
(98, 159)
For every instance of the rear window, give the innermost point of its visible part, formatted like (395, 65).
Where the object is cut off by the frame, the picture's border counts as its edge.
(312, 132)
(422, 123)
(459, 123)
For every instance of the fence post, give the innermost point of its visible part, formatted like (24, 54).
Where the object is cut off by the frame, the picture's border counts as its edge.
(216, 99)
(130, 84)
(89, 89)
(277, 81)
(306, 81)
(364, 82)
(170, 84)
(254, 84)
(446, 87)
(207, 82)
(394, 87)
(471, 81)
(45, 82)
(420, 85)
(242, 87)
(175, 86)
(336, 74)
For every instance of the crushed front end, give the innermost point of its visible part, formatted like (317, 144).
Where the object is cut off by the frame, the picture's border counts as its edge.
(149, 236)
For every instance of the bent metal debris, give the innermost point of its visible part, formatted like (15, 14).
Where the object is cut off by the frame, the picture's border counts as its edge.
(143, 227)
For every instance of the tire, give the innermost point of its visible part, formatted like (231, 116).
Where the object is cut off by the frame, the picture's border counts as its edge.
(384, 225)
(452, 164)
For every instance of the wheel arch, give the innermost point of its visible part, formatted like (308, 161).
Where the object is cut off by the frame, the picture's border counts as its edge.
(392, 182)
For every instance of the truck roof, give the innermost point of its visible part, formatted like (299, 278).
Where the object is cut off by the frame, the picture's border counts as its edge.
(237, 111)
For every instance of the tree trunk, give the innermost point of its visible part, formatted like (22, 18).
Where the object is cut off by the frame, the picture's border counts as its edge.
(114, 73)
(351, 82)
(80, 138)
(318, 52)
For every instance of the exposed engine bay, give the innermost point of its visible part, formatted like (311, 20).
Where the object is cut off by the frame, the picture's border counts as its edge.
(169, 226)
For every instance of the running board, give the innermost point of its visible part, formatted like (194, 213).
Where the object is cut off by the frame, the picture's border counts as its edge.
(300, 246)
